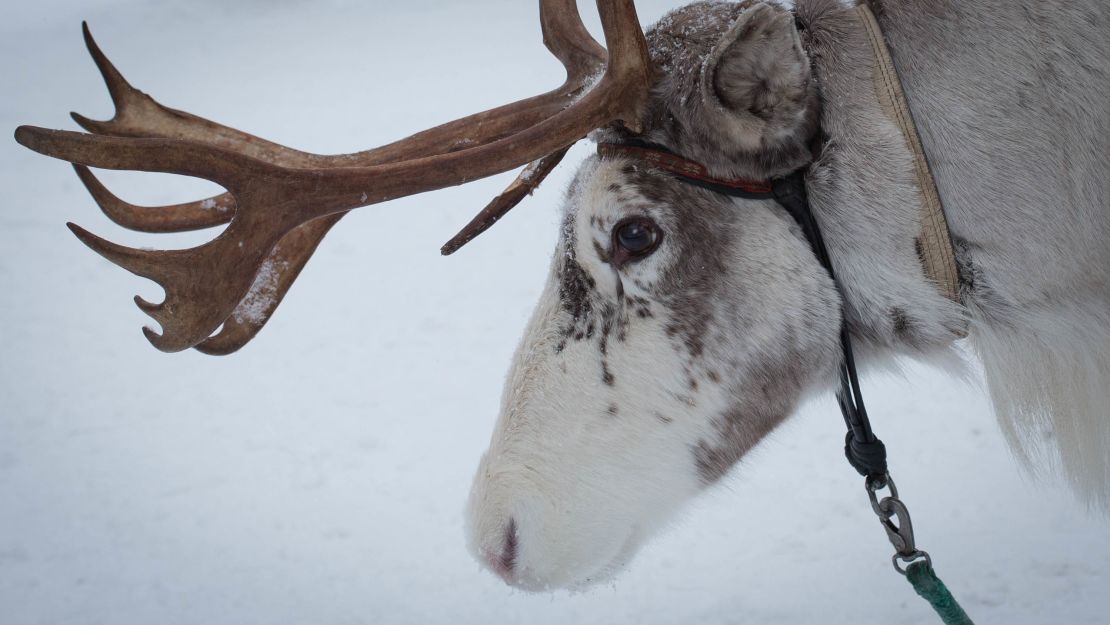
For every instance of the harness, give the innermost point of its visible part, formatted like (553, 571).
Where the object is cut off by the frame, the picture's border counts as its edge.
(865, 452)
(863, 449)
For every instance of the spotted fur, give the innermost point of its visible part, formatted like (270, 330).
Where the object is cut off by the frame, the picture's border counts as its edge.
(638, 384)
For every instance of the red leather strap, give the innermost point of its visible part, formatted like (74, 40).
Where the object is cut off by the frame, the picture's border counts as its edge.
(683, 167)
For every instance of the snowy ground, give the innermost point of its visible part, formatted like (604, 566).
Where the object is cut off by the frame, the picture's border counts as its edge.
(319, 476)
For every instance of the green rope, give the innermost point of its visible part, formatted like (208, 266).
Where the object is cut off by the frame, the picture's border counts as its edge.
(929, 586)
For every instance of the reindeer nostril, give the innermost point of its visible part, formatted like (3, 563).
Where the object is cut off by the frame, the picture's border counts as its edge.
(504, 561)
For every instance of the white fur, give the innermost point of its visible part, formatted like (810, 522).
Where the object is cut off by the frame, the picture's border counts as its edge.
(585, 487)
(1010, 100)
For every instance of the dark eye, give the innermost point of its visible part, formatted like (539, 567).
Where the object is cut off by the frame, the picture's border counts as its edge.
(635, 237)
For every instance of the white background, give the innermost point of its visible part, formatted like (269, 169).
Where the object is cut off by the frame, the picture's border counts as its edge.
(319, 475)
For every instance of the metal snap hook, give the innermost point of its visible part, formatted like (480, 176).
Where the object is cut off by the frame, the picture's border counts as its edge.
(895, 519)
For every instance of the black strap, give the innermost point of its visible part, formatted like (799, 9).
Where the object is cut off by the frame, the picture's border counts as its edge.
(865, 452)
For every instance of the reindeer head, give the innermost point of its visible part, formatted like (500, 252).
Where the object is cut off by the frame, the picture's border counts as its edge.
(678, 325)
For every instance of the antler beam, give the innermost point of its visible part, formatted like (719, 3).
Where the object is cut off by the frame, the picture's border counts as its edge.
(281, 201)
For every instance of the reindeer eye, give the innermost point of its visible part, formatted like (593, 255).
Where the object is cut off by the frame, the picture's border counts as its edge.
(636, 237)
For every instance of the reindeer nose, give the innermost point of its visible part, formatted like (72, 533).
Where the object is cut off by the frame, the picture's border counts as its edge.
(503, 562)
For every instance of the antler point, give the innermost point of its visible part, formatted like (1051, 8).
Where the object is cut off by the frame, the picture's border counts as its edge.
(84, 122)
(86, 32)
(152, 336)
(23, 135)
(146, 306)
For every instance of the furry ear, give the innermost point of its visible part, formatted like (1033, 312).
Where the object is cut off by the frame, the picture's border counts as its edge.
(756, 81)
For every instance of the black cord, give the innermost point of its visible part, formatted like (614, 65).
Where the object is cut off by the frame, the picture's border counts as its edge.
(865, 452)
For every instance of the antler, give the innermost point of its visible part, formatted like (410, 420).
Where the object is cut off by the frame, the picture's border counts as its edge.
(281, 202)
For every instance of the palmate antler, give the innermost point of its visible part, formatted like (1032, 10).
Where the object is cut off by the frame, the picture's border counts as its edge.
(280, 202)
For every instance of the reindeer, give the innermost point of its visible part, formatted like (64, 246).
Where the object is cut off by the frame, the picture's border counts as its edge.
(679, 324)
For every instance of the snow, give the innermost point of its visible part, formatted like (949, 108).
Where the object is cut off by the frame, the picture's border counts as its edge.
(319, 475)
(264, 290)
(210, 203)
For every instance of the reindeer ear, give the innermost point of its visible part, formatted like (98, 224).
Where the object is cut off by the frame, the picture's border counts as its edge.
(756, 80)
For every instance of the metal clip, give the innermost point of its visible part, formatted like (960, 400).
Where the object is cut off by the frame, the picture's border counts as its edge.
(895, 519)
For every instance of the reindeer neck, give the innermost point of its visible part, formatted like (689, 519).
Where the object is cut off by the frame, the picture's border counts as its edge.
(863, 192)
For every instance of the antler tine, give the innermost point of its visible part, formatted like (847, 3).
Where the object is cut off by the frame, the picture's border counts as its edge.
(124, 96)
(139, 115)
(214, 211)
(566, 37)
(524, 184)
(205, 285)
(171, 156)
(139, 262)
(282, 266)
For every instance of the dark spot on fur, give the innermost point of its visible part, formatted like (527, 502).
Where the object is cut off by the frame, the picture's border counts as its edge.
(575, 289)
(612, 410)
(687, 400)
(576, 292)
(744, 424)
(898, 318)
(602, 253)
(613, 318)
(663, 418)
(920, 250)
(606, 374)
(966, 268)
(640, 305)
(713, 376)
(904, 326)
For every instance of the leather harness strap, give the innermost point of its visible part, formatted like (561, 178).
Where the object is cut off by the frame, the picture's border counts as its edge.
(934, 242)
(689, 171)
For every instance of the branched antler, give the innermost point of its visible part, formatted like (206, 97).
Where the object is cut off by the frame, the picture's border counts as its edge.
(280, 202)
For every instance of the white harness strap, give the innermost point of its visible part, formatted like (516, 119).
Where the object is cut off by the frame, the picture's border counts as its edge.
(935, 242)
